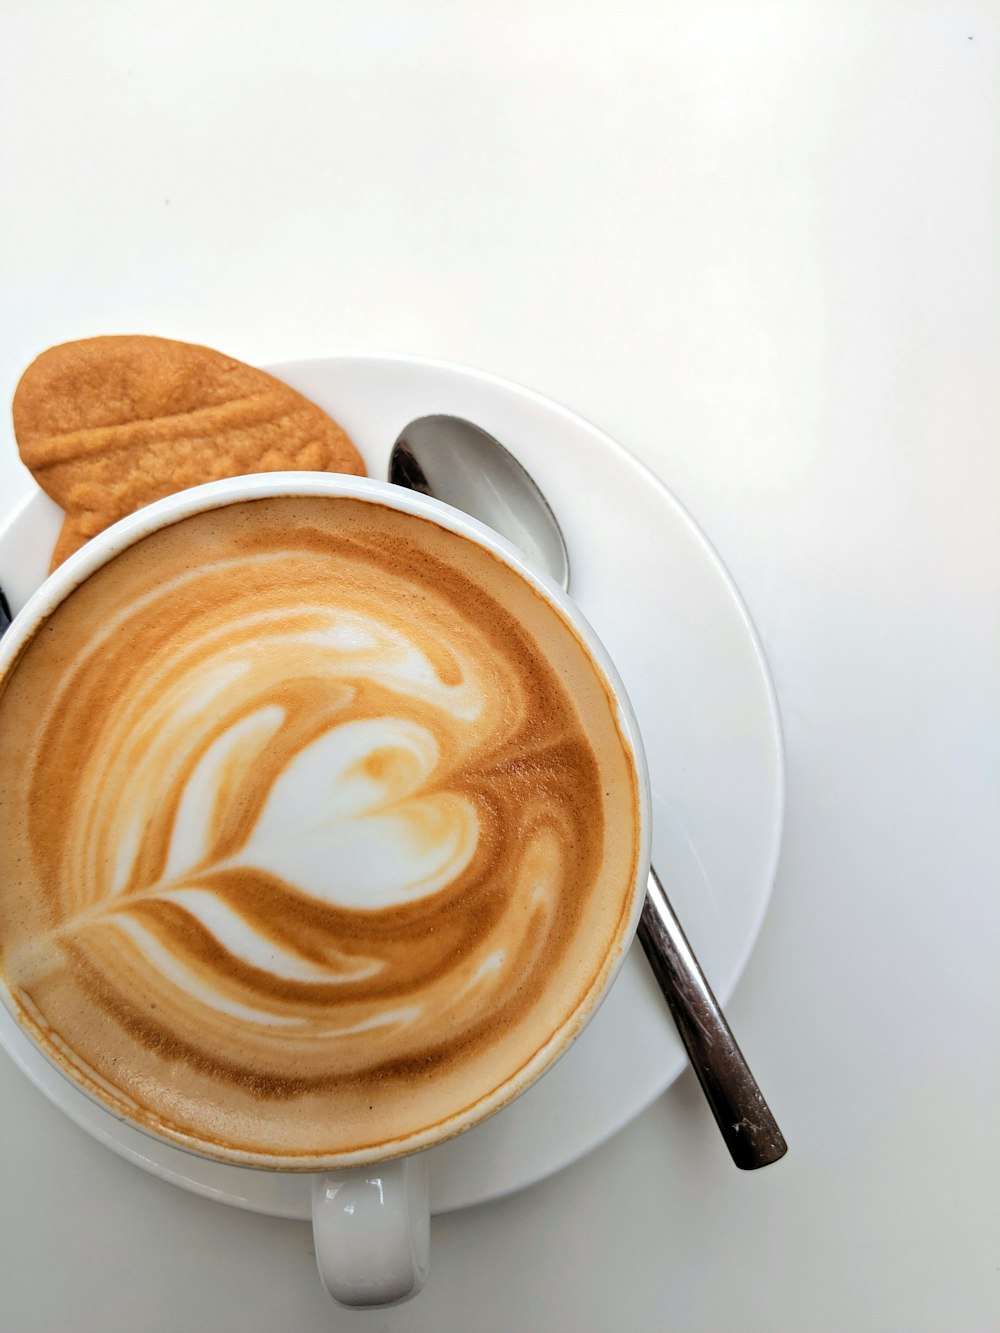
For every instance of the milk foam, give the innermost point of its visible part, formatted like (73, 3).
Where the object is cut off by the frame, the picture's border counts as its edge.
(319, 824)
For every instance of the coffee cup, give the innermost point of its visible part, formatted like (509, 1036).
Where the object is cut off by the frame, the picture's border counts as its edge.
(326, 832)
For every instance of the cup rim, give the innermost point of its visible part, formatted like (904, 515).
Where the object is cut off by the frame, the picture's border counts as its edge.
(112, 541)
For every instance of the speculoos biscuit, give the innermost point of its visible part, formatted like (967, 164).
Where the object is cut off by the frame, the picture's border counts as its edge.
(109, 424)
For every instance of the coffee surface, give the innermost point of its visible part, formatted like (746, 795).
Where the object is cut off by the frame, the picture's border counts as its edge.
(317, 825)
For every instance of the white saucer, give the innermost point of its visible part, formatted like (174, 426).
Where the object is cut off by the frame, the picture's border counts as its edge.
(674, 623)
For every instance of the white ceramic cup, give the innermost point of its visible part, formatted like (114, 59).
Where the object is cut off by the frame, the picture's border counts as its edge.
(371, 1219)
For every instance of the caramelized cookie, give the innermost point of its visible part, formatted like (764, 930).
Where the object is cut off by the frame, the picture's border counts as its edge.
(109, 424)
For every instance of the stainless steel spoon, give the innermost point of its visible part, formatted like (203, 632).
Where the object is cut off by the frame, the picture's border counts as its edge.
(454, 461)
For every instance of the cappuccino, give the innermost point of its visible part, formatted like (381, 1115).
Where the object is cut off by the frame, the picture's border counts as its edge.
(319, 827)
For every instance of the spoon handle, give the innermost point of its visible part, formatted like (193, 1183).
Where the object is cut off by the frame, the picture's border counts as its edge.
(748, 1127)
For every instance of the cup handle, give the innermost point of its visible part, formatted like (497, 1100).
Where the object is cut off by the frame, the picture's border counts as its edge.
(371, 1229)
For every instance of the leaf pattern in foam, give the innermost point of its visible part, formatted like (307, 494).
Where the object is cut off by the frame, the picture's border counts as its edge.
(348, 822)
(191, 839)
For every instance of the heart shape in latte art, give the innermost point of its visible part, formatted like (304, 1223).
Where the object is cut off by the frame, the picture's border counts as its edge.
(348, 823)
(222, 874)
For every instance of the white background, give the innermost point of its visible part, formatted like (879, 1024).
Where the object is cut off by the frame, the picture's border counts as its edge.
(758, 244)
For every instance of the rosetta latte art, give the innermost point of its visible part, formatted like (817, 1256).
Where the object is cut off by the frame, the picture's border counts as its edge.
(304, 828)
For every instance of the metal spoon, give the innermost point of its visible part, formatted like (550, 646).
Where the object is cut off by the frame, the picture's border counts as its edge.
(457, 462)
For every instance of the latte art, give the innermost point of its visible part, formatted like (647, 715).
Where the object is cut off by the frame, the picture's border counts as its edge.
(317, 824)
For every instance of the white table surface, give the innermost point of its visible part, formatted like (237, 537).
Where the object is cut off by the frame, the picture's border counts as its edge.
(758, 244)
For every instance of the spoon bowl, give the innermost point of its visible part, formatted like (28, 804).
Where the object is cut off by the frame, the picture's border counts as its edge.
(454, 461)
